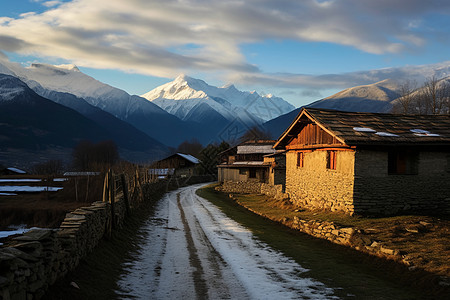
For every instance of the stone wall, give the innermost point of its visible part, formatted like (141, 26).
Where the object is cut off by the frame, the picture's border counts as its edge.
(275, 191)
(242, 187)
(313, 186)
(31, 262)
(347, 236)
(377, 192)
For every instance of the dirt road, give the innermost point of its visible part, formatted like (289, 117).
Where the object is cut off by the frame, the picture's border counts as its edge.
(191, 250)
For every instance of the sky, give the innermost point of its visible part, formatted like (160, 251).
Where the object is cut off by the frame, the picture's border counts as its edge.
(299, 50)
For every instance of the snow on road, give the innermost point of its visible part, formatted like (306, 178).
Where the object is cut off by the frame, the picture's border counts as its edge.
(191, 250)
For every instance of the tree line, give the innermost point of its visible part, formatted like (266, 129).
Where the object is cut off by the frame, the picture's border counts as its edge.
(432, 98)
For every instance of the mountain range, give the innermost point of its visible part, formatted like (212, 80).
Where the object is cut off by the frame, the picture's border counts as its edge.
(145, 127)
(187, 97)
(139, 127)
(377, 97)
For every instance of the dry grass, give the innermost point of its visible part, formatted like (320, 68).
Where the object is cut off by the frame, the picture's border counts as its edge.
(423, 240)
(48, 209)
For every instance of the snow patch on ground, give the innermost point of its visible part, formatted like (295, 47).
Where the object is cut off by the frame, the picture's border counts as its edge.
(19, 188)
(233, 263)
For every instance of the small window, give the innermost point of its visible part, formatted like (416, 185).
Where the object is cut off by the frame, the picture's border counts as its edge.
(300, 159)
(403, 162)
(252, 173)
(331, 160)
(242, 171)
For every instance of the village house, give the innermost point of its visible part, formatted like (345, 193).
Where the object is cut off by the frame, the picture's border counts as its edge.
(252, 167)
(178, 164)
(368, 163)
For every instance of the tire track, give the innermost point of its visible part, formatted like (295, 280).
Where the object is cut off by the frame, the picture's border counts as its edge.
(201, 288)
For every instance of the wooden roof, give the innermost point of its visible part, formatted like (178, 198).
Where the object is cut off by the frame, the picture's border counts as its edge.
(354, 129)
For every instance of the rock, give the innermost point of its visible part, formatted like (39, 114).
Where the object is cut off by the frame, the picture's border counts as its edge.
(4, 281)
(20, 254)
(387, 251)
(412, 229)
(374, 244)
(348, 230)
(75, 285)
(28, 245)
(423, 223)
(35, 235)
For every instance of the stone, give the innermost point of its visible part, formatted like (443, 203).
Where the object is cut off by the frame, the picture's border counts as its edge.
(20, 254)
(29, 245)
(374, 244)
(4, 281)
(35, 235)
(348, 230)
(387, 251)
(412, 229)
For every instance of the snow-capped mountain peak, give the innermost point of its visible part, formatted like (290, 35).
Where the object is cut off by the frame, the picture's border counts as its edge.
(228, 101)
(10, 87)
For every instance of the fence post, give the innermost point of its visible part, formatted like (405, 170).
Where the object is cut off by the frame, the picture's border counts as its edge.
(112, 199)
(106, 188)
(125, 193)
(141, 193)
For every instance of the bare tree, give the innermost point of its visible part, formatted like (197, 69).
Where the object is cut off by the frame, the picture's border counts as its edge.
(51, 167)
(192, 147)
(95, 157)
(406, 103)
(255, 133)
(433, 97)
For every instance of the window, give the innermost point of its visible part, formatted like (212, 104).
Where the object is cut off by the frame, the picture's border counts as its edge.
(300, 159)
(252, 173)
(331, 160)
(242, 171)
(403, 162)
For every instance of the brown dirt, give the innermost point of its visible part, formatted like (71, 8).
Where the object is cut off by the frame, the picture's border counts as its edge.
(424, 241)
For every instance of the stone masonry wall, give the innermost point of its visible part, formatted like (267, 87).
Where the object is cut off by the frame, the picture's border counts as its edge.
(377, 192)
(245, 187)
(31, 262)
(313, 186)
(275, 191)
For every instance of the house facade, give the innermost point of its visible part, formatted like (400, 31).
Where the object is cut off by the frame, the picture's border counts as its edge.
(178, 164)
(250, 167)
(366, 163)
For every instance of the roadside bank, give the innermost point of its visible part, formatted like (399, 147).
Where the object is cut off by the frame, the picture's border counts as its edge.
(288, 216)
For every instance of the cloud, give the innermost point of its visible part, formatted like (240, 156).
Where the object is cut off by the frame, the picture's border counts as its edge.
(316, 83)
(164, 38)
(12, 44)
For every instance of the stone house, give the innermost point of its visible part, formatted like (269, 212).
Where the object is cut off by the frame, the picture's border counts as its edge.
(178, 164)
(252, 167)
(368, 163)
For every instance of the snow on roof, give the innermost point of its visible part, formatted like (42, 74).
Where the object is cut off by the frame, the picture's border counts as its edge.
(189, 158)
(421, 132)
(352, 128)
(17, 170)
(382, 133)
(363, 129)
